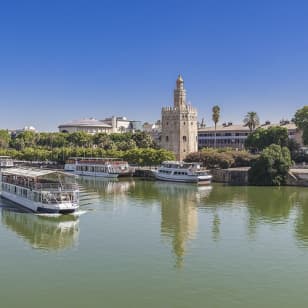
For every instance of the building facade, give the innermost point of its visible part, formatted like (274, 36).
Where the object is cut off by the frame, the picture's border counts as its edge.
(109, 125)
(179, 132)
(90, 126)
(233, 136)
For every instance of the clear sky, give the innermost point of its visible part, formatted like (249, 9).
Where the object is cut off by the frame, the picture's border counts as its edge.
(62, 60)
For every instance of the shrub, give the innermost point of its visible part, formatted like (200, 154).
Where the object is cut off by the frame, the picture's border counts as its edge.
(272, 167)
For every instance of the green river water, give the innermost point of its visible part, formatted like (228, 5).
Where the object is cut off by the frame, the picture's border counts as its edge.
(156, 244)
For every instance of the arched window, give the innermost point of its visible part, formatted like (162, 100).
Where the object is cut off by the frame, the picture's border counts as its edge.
(184, 139)
(167, 138)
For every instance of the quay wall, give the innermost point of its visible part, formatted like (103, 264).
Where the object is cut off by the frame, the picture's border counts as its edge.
(239, 176)
(233, 176)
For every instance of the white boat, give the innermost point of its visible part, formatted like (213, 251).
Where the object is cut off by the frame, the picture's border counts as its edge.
(41, 191)
(97, 167)
(178, 171)
(6, 162)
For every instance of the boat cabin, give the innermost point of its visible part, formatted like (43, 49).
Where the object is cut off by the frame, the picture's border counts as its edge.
(44, 186)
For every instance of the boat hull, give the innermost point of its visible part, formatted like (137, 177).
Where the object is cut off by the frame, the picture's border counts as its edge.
(37, 207)
(200, 180)
(186, 179)
(97, 174)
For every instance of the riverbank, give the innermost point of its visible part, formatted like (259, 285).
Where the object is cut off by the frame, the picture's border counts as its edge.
(239, 176)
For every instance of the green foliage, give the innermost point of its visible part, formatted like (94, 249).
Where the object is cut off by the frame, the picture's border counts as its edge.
(301, 121)
(251, 120)
(215, 114)
(272, 167)
(5, 139)
(262, 138)
(137, 148)
(142, 157)
(221, 158)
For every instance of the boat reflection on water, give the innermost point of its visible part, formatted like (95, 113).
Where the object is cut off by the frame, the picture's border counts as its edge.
(94, 188)
(179, 214)
(45, 232)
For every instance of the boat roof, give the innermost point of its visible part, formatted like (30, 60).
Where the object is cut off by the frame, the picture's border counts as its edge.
(176, 162)
(32, 172)
(95, 158)
(4, 156)
(173, 162)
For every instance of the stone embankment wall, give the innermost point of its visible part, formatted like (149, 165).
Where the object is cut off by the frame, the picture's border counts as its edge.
(239, 176)
(298, 177)
(233, 176)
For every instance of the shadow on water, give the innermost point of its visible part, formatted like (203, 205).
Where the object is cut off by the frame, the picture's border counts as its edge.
(47, 232)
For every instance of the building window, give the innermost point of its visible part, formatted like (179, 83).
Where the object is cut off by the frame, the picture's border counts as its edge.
(167, 138)
(184, 139)
(184, 123)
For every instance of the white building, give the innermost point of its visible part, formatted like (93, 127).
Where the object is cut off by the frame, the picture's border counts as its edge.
(229, 135)
(90, 126)
(108, 125)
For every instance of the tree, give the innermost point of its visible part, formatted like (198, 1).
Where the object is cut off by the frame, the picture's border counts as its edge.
(272, 167)
(251, 120)
(301, 121)
(143, 140)
(215, 118)
(80, 138)
(5, 139)
(262, 138)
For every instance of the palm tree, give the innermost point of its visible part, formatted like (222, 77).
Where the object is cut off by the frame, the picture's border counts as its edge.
(215, 118)
(251, 120)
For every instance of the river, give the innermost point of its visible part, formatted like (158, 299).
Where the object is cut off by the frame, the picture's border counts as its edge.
(156, 244)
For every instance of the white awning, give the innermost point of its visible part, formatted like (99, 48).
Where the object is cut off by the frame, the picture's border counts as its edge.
(32, 172)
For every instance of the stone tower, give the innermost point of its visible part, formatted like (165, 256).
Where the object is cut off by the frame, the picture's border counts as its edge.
(179, 124)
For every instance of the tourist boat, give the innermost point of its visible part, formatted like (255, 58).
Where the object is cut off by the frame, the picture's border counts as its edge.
(103, 167)
(6, 162)
(41, 191)
(178, 171)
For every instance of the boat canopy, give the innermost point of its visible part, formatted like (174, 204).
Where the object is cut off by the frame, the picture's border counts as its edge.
(33, 173)
(94, 158)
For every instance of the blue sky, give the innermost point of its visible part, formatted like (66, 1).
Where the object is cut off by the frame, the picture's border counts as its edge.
(64, 60)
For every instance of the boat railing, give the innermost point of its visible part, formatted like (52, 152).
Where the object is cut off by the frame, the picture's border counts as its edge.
(45, 186)
(55, 186)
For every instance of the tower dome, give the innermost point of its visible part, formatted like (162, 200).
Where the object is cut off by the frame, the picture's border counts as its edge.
(179, 82)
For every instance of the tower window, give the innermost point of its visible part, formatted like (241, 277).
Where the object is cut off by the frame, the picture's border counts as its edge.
(184, 123)
(167, 123)
(167, 138)
(184, 138)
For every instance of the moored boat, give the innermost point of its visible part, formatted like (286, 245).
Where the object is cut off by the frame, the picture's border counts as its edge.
(41, 191)
(98, 167)
(178, 171)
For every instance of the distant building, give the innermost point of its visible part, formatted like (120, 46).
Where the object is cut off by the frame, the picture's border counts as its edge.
(90, 126)
(122, 124)
(154, 130)
(179, 124)
(21, 130)
(234, 135)
(108, 125)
